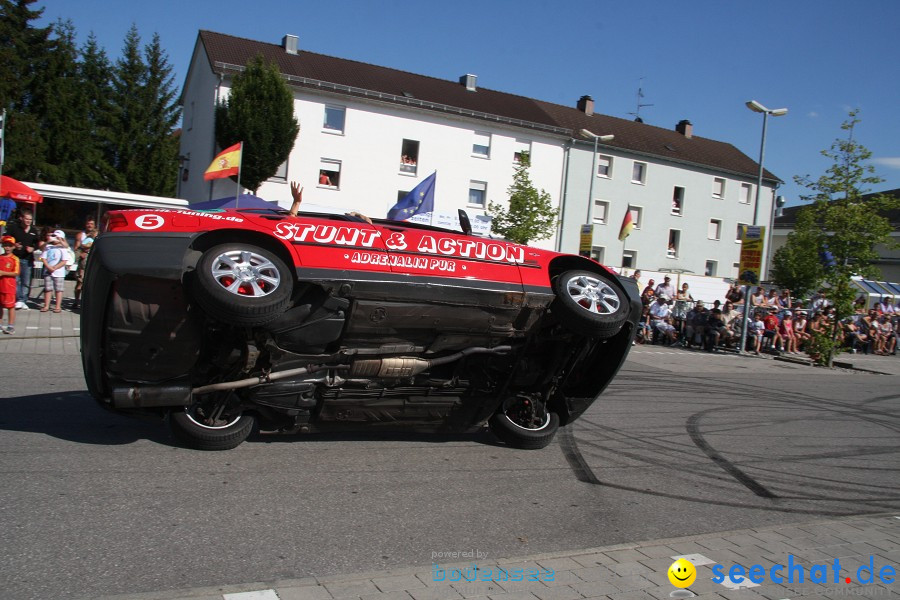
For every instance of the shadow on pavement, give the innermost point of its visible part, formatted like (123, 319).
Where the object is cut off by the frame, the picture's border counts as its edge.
(76, 417)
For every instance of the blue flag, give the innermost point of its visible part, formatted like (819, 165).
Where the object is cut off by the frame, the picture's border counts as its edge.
(419, 200)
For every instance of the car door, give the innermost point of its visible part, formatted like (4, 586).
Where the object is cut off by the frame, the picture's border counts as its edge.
(451, 267)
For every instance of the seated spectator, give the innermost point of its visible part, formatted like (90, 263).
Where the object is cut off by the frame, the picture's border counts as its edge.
(758, 299)
(695, 324)
(884, 306)
(859, 305)
(734, 321)
(716, 331)
(735, 294)
(786, 301)
(819, 302)
(773, 300)
(667, 329)
(800, 332)
(855, 338)
(786, 330)
(886, 342)
(771, 332)
(755, 330)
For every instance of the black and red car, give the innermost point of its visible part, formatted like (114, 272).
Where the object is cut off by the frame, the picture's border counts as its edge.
(231, 320)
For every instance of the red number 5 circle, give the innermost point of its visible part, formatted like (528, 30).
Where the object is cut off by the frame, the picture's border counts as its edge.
(149, 221)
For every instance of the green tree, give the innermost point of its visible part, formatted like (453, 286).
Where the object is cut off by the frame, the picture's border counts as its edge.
(850, 223)
(259, 112)
(24, 51)
(144, 150)
(95, 78)
(531, 215)
(796, 265)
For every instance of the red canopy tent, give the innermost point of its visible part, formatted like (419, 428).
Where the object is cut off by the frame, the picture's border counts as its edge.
(18, 191)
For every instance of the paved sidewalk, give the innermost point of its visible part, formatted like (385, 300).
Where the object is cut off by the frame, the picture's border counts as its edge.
(628, 571)
(45, 332)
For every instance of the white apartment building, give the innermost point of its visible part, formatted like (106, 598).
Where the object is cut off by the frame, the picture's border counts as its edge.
(377, 132)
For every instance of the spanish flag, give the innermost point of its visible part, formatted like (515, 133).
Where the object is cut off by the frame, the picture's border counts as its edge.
(225, 164)
(627, 225)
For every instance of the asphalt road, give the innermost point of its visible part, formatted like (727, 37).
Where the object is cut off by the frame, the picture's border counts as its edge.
(94, 504)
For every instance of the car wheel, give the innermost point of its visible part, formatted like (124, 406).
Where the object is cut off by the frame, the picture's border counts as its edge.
(207, 427)
(242, 284)
(525, 424)
(590, 303)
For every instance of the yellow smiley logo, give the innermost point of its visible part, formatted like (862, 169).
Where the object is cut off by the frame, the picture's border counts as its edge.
(682, 573)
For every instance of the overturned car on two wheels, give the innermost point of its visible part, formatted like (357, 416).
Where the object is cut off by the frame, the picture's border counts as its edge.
(229, 321)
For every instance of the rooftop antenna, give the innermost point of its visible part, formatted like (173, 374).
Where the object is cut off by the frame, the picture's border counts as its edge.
(640, 105)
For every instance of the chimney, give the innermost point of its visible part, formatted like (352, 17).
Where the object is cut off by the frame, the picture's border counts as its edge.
(469, 81)
(586, 105)
(685, 128)
(289, 43)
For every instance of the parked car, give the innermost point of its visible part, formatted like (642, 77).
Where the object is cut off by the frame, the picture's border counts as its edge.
(225, 321)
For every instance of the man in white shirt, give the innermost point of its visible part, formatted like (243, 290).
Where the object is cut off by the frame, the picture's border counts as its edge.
(666, 288)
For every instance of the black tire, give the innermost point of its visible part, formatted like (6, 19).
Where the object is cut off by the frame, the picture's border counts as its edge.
(525, 429)
(589, 303)
(197, 432)
(242, 284)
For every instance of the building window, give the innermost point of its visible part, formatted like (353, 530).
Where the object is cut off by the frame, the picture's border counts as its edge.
(715, 229)
(521, 147)
(735, 267)
(718, 188)
(597, 253)
(334, 119)
(330, 173)
(604, 166)
(409, 156)
(639, 172)
(601, 210)
(674, 242)
(711, 266)
(281, 173)
(746, 190)
(740, 230)
(636, 215)
(629, 259)
(477, 193)
(678, 201)
(481, 145)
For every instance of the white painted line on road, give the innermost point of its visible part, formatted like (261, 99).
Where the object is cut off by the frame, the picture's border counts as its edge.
(56, 329)
(698, 560)
(257, 595)
(32, 327)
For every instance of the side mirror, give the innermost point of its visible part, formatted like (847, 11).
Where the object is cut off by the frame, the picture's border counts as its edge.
(464, 222)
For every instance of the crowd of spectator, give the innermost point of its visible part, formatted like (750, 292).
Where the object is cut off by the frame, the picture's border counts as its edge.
(778, 322)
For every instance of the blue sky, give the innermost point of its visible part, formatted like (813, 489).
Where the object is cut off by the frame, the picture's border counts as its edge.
(698, 59)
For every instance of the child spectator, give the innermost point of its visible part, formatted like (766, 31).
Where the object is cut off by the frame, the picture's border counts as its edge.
(800, 333)
(9, 277)
(755, 330)
(771, 324)
(54, 261)
(786, 330)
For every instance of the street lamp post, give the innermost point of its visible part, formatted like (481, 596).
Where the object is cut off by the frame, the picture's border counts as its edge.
(775, 112)
(597, 139)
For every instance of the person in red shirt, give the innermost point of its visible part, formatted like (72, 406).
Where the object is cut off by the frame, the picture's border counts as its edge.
(9, 276)
(771, 323)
